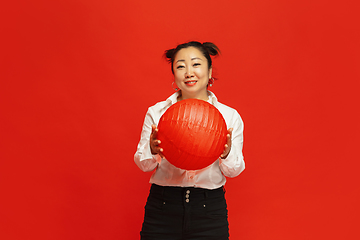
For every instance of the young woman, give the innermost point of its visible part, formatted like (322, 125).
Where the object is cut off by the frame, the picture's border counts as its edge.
(188, 204)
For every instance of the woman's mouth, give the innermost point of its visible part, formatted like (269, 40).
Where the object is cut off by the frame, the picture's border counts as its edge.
(190, 83)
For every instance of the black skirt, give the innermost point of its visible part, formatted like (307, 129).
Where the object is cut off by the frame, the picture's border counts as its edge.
(173, 213)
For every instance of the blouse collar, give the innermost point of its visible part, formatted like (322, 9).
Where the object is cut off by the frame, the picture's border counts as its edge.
(173, 99)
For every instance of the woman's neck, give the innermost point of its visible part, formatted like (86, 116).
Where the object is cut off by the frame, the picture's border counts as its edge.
(204, 97)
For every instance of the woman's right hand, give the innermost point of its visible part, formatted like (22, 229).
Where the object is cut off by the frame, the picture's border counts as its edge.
(154, 142)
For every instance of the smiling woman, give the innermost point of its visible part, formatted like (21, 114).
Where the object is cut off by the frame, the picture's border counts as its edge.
(189, 204)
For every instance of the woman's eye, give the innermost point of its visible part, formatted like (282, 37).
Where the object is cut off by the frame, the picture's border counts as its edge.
(196, 64)
(178, 67)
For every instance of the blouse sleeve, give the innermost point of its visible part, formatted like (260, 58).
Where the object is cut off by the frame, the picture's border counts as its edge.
(143, 158)
(234, 163)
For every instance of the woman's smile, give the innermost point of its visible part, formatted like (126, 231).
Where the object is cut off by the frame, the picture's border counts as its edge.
(190, 83)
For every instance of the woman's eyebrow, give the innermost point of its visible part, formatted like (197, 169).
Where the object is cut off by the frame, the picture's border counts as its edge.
(182, 60)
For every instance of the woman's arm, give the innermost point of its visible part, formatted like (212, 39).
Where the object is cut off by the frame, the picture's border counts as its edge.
(143, 157)
(233, 164)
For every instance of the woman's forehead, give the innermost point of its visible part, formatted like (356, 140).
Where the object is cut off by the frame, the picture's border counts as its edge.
(189, 52)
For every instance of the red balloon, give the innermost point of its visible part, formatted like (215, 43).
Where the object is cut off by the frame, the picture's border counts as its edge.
(192, 134)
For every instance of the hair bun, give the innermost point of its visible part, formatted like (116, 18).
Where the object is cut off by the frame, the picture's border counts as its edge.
(169, 54)
(212, 49)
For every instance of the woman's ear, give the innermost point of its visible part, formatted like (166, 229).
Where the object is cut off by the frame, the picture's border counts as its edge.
(210, 72)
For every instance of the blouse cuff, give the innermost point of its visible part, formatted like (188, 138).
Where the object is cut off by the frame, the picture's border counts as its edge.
(148, 155)
(232, 165)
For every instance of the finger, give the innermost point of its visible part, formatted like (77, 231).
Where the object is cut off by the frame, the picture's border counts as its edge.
(229, 136)
(161, 154)
(156, 150)
(157, 142)
(153, 127)
(154, 145)
(159, 151)
(228, 140)
(154, 131)
(226, 151)
(230, 131)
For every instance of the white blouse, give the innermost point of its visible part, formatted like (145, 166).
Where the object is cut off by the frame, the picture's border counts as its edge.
(210, 177)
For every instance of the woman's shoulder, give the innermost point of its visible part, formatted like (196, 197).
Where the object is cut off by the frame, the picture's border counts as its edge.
(230, 114)
(164, 104)
(226, 110)
(226, 107)
(159, 105)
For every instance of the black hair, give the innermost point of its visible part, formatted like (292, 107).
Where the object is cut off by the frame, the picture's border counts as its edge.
(206, 48)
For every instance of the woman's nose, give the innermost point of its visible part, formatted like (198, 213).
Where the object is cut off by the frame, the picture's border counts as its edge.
(189, 73)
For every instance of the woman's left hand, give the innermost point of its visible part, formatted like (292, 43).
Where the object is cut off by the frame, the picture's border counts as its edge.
(227, 145)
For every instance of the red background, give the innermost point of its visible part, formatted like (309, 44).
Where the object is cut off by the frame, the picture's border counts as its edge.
(76, 80)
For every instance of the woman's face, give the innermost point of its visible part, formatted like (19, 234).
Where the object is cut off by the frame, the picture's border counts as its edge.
(191, 73)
